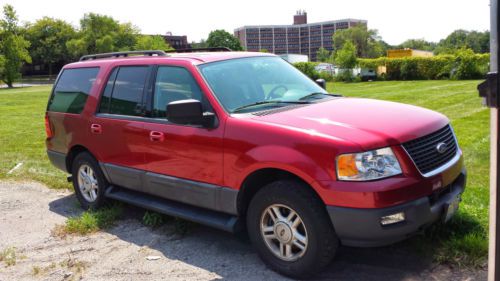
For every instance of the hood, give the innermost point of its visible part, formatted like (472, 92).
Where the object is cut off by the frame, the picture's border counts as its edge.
(366, 122)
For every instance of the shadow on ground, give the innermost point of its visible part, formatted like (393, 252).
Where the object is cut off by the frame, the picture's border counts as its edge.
(232, 257)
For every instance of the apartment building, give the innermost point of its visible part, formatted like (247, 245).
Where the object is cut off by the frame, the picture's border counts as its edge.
(299, 38)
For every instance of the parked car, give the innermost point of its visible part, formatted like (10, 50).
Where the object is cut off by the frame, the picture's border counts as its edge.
(241, 140)
(327, 68)
(294, 58)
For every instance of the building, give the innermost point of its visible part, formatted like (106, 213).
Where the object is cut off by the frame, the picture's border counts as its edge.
(299, 38)
(400, 53)
(176, 41)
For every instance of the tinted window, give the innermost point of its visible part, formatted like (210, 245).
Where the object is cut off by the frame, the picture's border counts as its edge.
(126, 98)
(72, 90)
(173, 84)
(106, 96)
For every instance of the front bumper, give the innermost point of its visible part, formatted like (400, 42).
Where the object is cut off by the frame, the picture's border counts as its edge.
(362, 227)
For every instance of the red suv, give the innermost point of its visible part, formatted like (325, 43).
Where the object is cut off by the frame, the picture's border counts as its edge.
(239, 140)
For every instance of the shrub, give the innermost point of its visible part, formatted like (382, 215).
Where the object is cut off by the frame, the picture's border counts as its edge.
(467, 65)
(325, 75)
(463, 65)
(344, 75)
(308, 69)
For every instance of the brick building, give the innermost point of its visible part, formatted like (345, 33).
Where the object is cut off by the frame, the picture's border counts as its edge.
(176, 41)
(299, 38)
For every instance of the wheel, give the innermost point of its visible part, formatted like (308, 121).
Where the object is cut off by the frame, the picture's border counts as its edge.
(88, 181)
(290, 229)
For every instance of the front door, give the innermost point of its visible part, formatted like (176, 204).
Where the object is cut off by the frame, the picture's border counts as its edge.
(185, 161)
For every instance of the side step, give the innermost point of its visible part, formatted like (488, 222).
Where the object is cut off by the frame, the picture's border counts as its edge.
(207, 217)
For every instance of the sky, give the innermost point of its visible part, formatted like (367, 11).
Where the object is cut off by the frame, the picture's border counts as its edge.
(395, 20)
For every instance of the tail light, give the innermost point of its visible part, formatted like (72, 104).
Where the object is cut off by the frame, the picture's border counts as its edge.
(48, 129)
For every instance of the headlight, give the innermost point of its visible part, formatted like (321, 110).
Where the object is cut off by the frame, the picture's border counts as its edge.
(370, 165)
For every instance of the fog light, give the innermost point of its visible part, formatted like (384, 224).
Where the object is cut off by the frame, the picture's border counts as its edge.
(392, 219)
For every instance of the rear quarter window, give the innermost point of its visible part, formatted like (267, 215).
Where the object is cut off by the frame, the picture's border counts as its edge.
(72, 89)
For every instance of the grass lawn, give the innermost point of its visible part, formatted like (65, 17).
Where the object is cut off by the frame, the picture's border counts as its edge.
(462, 241)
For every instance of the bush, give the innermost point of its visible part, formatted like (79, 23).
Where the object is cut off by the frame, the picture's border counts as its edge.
(467, 65)
(464, 65)
(344, 75)
(325, 75)
(308, 69)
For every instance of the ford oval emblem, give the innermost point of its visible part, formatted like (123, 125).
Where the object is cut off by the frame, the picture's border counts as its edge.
(441, 147)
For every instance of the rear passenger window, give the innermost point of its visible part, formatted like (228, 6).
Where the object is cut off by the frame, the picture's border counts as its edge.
(173, 84)
(72, 89)
(126, 96)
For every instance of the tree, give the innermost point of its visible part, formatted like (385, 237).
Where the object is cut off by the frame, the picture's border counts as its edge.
(367, 42)
(48, 39)
(100, 34)
(417, 44)
(479, 42)
(13, 47)
(201, 44)
(222, 38)
(346, 58)
(323, 55)
(152, 42)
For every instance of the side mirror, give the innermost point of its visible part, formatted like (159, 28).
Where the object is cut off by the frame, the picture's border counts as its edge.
(321, 83)
(189, 112)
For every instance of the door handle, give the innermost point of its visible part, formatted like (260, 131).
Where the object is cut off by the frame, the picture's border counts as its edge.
(96, 128)
(156, 136)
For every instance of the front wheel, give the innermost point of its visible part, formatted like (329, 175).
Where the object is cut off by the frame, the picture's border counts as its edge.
(88, 181)
(290, 229)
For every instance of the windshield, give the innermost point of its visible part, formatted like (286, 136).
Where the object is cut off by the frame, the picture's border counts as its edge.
(250, 83)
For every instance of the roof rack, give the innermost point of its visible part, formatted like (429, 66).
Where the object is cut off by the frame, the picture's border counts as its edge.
(194, 50)
(123, 54)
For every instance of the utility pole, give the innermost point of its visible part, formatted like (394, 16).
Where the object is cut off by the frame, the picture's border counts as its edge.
(489, 91)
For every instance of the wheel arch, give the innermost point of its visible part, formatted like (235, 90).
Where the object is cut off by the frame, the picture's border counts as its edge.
(256, 180)
(73, 152)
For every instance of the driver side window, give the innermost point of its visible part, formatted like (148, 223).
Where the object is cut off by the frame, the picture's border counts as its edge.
(173, 84)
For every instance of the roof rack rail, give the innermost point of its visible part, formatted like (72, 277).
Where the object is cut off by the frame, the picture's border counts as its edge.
(123, 54)
(194, 50)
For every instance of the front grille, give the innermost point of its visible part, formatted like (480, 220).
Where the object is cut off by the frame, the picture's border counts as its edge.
(424, 150)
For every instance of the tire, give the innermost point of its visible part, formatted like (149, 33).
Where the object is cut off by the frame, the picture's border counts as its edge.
(95, 181)
(320, 243)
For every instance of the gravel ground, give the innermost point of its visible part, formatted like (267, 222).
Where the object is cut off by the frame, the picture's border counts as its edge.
(30, 211)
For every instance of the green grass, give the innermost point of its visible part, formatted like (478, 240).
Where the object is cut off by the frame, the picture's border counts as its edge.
(462, 241)
(90, 221)
(22, 137)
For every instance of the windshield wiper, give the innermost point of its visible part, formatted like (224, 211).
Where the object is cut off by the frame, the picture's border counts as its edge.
(315, 94)
(267, 102)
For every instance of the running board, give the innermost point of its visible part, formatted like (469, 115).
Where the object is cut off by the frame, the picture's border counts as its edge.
(207, 217)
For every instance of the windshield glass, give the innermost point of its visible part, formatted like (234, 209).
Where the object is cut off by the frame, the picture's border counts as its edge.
(259, 81)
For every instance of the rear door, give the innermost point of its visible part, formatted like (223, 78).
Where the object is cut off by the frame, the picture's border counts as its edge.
(65, 107)
(116, 131)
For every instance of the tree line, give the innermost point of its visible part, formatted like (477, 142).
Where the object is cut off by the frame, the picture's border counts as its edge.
(51, 43)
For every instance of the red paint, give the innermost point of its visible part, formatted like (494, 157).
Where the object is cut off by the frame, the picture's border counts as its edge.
(304, 141)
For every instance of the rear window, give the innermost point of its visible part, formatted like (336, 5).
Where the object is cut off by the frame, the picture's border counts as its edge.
(72, 89)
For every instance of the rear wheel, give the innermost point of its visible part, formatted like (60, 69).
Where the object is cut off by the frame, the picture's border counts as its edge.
(88, 181)
(289, 227)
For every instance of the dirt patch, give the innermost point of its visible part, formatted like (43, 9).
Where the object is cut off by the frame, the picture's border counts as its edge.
(129, 250)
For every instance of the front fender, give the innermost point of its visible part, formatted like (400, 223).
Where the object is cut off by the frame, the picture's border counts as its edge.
(277, 157)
